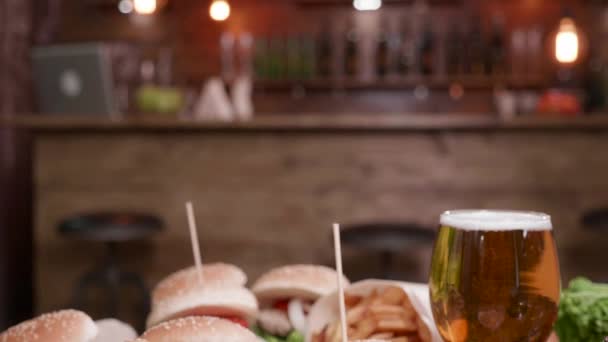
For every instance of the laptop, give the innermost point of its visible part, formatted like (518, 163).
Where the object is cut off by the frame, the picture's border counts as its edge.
(73, 79)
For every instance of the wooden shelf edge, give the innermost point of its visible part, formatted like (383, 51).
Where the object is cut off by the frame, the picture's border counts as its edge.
(398, 84)
(308, 123)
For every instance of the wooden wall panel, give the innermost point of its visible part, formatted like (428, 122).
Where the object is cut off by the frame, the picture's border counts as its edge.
(266, 199)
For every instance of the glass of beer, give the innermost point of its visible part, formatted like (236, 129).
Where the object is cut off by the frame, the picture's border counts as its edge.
(494, 276)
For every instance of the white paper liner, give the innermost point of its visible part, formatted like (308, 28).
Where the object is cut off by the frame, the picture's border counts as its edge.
(326, 309)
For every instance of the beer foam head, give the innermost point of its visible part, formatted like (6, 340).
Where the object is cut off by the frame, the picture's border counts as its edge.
(496, 220)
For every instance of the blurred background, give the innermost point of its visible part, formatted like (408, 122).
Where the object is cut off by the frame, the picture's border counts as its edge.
(276, 118)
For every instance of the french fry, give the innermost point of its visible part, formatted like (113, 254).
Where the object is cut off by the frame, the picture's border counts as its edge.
(381, 336)
(385, 310)
(351, 300)
(332, 331)
(409, 313)
(364, 328)
(407, 304)
(355, 314)
(393, 295)
(366, 301)
(403, 339)
(396, 325)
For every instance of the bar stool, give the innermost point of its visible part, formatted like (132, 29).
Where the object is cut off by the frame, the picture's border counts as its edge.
(596, 220)
(388, 239)
(111, 229)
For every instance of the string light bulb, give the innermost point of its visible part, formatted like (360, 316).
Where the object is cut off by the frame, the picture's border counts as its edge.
(125, 6)
(144, 6)
(367, 5)
(567, 42)
(219, 10)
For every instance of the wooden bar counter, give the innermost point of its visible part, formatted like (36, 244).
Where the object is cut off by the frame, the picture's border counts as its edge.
(266, 191)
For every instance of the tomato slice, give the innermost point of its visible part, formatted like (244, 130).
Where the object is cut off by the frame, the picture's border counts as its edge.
(281, 305)
(238, 320)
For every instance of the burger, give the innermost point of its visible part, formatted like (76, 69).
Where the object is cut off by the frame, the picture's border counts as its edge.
(286, 295)
(60, 326)
(221, 294)
(203, 329)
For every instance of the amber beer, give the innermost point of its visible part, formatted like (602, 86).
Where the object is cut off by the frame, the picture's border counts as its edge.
(494, 276)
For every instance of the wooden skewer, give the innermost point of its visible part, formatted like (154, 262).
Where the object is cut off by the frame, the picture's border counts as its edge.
(338, 251)
(196, 251)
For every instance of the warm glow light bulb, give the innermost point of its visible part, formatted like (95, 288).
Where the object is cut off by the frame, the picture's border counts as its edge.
(367, 5)
(144, 6)
(125, 6)
(566, 42)
(219, 10)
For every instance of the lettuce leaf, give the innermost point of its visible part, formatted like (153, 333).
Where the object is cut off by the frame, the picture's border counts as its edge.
(583, 312)
(293, 336)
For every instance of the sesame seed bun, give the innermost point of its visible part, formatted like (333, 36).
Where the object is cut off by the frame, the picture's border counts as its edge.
(203, 329)
(201, 300)
(60, 326)
(300, 281)
(214, 274)
(111, 329)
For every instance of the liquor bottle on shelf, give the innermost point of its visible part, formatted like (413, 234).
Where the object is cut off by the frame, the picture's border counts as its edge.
(475, 48)
(324, 51)
(383, 52)
(245, 45)
(165, 66)
(426, 49)
(454, 56)
(260, 57)
(307, 57)
(394, 45)
(406, 49)
(293, 61)
(351, 53)
(594, 85)
(277, 58)
(517, 49)
(534, 52)
(227, 42)
(496, 54)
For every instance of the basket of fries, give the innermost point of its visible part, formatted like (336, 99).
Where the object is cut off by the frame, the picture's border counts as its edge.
(376, 309)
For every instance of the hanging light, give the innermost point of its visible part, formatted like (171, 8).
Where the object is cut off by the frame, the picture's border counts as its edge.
(219, 10)
(125, 6)
(144, 6)
(367, 5)
(567, 42)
